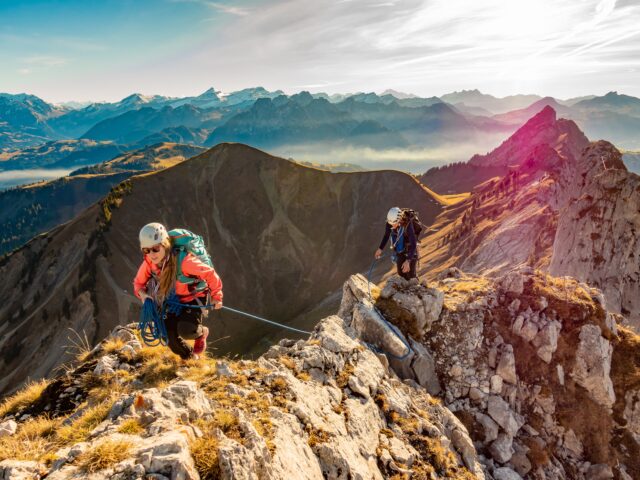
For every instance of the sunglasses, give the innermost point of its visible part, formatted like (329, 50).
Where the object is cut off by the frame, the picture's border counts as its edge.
(154, 249)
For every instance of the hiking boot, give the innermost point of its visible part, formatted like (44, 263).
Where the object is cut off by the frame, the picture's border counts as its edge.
(200, 345)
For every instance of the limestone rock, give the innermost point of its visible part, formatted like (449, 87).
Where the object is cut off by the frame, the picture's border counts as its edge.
(106, 365)
(499, 410)
(372, 328)
(593, 364)
(507, 365)
(505, 473)
(8, 428)
(501, 449)
(19, 470)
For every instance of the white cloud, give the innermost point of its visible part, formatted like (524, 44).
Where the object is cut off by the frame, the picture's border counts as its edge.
(431, 46)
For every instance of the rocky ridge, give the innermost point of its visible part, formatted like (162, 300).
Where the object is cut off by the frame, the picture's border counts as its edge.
(542, 380)
(326, 407)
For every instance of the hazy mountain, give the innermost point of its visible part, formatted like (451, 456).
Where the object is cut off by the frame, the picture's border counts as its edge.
(23, 120)
(611, 102)
(542, 133)
(181, 134)
(62, 154)
(518, 117)
(632, 161)
(475, 98)
(399, 95)
(286, 233)
(333, 167)
(301, 119)
(154, 157)
(134, 125)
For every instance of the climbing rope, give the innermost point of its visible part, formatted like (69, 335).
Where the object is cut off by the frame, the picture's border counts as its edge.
(392, 328)
(174, 306)
(152, 328)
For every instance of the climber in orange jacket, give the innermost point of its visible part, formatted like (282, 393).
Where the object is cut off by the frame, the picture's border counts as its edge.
(157, 276)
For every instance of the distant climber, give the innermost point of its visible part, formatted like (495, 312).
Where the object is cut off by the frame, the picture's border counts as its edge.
(401, 227)
(171, 268)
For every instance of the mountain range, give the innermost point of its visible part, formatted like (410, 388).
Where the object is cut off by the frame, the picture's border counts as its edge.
(354, 126)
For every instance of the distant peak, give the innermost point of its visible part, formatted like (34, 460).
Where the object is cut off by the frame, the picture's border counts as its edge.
(546, 115)
(210, 93)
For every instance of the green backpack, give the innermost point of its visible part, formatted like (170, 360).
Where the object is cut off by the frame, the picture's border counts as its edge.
(185, 242)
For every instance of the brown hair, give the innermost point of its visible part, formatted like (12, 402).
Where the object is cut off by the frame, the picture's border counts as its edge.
(169, 268)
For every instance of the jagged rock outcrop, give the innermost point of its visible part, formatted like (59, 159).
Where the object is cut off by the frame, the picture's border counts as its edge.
(532, 365)
(598, 239)
(565, 206)
(326, 407)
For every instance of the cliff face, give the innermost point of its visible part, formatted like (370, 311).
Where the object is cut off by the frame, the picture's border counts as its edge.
(540, 373)
(276, 230)
(566, 213)
(598, 239)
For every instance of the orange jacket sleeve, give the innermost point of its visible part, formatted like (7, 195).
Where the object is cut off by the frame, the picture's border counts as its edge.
(142, 277)
(193, 267)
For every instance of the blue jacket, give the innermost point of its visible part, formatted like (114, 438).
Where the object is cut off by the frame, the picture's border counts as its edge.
(408, 244)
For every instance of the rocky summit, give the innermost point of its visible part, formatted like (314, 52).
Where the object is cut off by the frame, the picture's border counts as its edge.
(518, 376)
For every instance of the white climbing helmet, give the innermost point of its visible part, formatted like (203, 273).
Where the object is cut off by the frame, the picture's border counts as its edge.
(394, 215)
(152, 234)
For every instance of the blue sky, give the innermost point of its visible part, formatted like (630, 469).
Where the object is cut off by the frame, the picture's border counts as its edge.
(90, 50)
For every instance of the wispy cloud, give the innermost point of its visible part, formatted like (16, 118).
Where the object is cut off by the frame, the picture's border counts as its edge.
(221, 7)
(45, 61)
(435, 45)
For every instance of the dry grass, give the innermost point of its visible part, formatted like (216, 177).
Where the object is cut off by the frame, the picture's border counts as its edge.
(112, 345)
(287, 362)
(131, 426)
(104, 455)
(204, 451)
(80, 345)
(343, 377)
(80, 429)
(440, 458)
(316, 436)
(25, 397)
(159, 365)
(32, 440)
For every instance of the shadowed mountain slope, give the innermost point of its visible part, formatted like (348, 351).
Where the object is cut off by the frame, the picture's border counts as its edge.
(282, 237)
(36, 208)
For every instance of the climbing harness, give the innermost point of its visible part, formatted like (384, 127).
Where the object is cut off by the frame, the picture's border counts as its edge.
(389, 326)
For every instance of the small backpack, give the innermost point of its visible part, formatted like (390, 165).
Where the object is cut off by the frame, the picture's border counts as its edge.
(412, 216)
(185, 242)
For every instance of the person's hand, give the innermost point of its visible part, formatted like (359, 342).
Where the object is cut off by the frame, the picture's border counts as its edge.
(218, 305)
(143, 295)
(378, 253)
(406, 266)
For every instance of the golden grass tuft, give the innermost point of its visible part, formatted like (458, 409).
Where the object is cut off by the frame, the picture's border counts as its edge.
(204, 451)
(25, 397)
(104, 455)
(112, 345)
(316, 436)
(131, 426)
(287, 362)
(80, 429)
